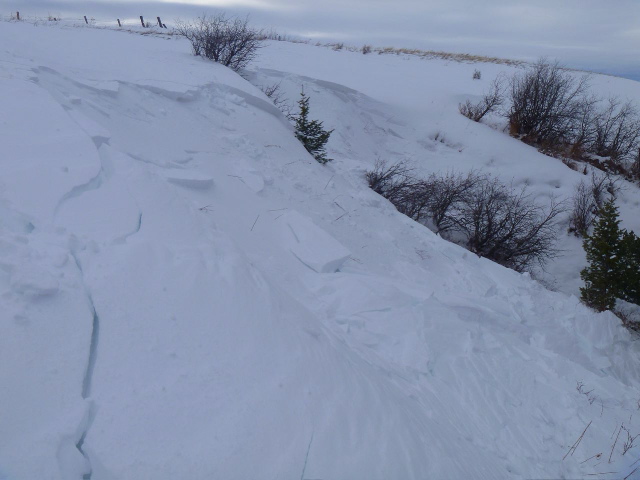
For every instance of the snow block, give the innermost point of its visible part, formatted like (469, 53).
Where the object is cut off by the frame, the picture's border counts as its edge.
(188, 178)
(311, 245)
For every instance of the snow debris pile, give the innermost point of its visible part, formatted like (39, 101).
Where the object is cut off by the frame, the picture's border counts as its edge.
(186, 293)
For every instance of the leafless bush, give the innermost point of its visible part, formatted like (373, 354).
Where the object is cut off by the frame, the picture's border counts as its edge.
(489, 103)
(226, 40)
(508, 226)
(366, 49)
(477, 74)
(588, 199)
(617, 131)
(582, 132)
(476, 211)
(583, 211)
(395, 182)
(338, 46)
(546, 103)
(447, 193)
(278, 98)
(635, 166)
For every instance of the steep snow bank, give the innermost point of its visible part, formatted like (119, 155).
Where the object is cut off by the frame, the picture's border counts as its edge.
(231, 309)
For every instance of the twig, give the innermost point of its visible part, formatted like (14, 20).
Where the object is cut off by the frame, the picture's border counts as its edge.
(325, 187)
(340, 206)
(597, 455)
(254, 223)
(628, 444)
(306, 457)
(345, 213)
(575, 445)
(634, 471)
(614, 443)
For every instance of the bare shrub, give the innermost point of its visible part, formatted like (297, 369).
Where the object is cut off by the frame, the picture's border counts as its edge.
(366, 49)
(583, 210)
(447, 192)
(587, 201)
(635, 166)
(508, 226)
(582, 133)
(477, 74)
(229, 41)
(395, 182)
(546, 102)
(616, 131)
(278, 98)
(482, 214)
(338, 46)
(489, 103)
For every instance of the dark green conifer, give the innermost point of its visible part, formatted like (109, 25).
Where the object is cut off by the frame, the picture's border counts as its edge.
(602, 277)
(310, 132)
(630, 275)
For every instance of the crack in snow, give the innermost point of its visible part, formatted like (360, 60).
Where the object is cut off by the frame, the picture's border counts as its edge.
(124, 237)
(88, 375)
(93, 184)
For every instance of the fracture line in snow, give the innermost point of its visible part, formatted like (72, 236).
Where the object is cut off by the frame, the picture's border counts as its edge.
(88, 375)
(306, 457)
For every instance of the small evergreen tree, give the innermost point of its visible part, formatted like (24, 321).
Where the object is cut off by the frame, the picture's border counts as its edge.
(630, 276)
(310, 132)
(602, 276)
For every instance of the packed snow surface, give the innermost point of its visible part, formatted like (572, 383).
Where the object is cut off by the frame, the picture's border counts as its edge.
(186, 293)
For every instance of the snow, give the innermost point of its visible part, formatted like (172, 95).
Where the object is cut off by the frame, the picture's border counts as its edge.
(186, 293)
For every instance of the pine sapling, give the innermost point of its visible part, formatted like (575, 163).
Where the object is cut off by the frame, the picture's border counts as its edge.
(310, 132)
(604, 253)
(630, 277)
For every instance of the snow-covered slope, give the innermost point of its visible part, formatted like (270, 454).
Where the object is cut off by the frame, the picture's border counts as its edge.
(186, 293)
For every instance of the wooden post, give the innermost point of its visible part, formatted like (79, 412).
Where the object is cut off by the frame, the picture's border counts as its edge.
(142, 21)
(85, 20)
(18, 15)
(119, 24)
(159, 22)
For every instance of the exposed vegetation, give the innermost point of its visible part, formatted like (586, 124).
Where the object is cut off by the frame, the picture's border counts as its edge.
(229, 41)
(476, 211)
(613, 255)
(311, 132)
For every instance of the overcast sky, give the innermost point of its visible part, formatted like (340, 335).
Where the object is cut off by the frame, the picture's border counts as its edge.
(600, 35)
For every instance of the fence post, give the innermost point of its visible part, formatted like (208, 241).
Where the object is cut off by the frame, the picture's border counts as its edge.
(159, 22)
(142, 21)
(85, 20)
(18, 15)
(119, 24)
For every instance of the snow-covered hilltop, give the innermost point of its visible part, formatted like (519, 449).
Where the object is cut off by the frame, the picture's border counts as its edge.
(186, 293)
